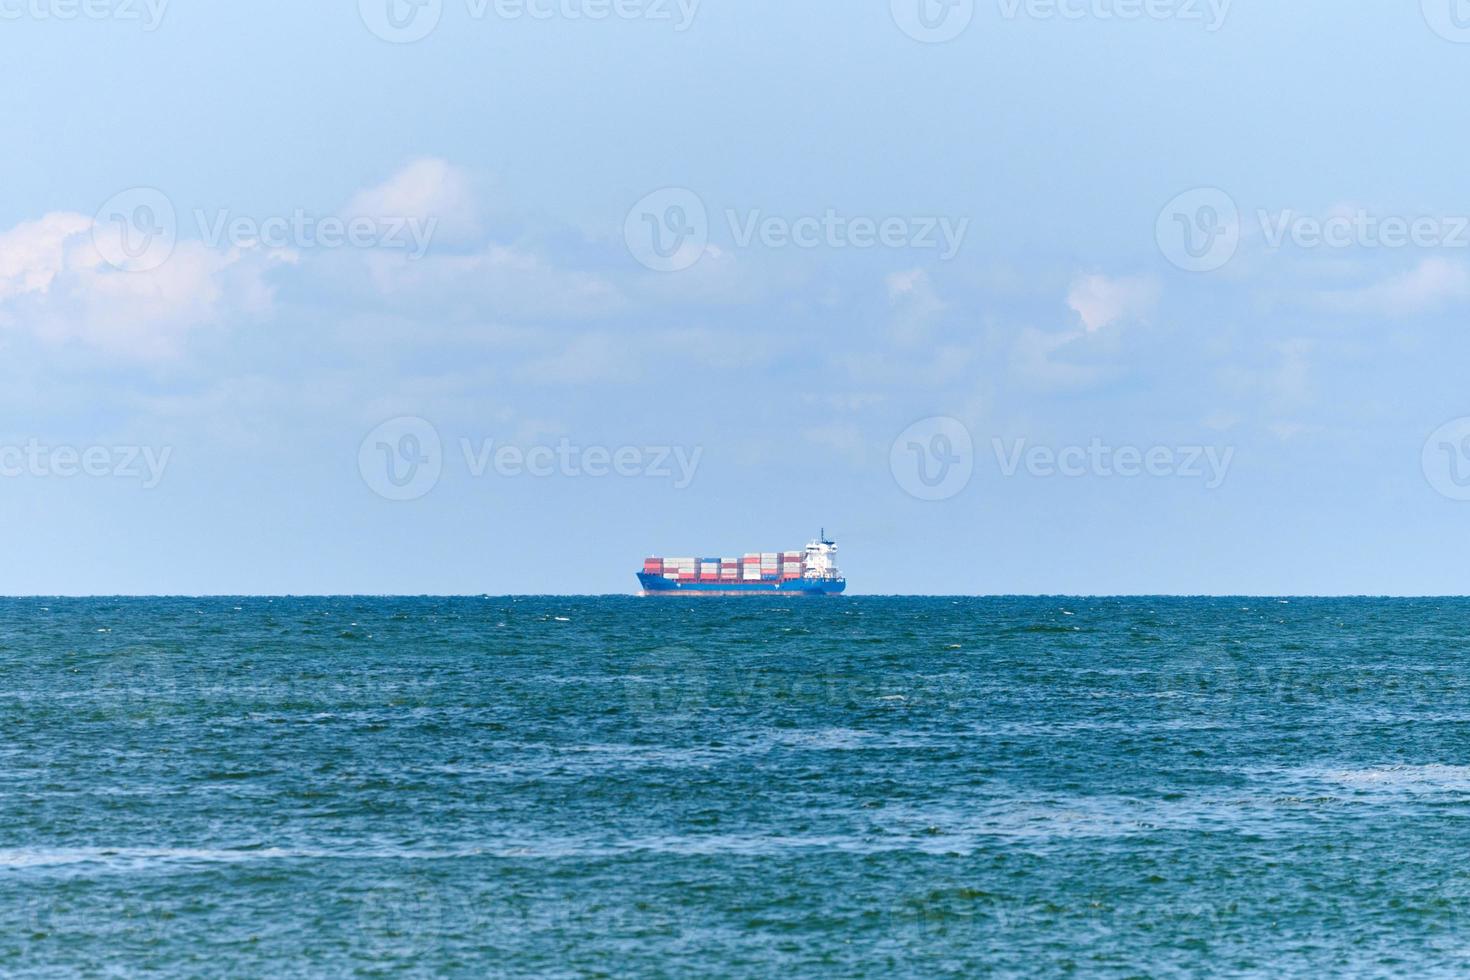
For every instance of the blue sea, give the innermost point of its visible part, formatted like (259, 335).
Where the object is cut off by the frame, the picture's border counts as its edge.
(617, 787)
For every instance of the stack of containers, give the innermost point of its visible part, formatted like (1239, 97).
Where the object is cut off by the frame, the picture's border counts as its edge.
(752, 568)
(684, 569)
(709, 569)
(729, 569)
(792, 564)
(770, 565)
(653, 566)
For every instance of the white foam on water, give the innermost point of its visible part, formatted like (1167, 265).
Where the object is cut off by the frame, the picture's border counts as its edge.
(1423, 778)
(140, 858)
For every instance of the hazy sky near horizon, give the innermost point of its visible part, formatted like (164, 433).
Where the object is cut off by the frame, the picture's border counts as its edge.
(1018, 296)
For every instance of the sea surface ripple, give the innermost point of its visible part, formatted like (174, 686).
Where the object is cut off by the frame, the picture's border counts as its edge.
(862, 787)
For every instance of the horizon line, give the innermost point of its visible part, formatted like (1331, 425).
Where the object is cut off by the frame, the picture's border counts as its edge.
(698, 598)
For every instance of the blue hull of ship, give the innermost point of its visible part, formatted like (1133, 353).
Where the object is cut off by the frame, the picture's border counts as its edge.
(660, 586)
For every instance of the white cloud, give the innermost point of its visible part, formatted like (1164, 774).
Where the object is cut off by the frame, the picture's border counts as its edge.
(730, 349)
(34, 253)
(428, 189)
(591, 357)
(1034, 360)
(1291, 383)
(927, 367)
(56, 287)
(494, 281)
(844, 439)
(915, 303)
(1221, 421)
(717, 276)
(1432, 285)
(1102, 302)
(1287, 430)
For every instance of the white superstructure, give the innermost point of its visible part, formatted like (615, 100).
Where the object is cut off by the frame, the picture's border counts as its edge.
(821, 559)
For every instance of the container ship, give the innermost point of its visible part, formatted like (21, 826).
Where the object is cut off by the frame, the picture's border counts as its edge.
(811, 572)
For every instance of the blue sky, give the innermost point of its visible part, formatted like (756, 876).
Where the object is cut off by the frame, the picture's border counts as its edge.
(293, 302)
